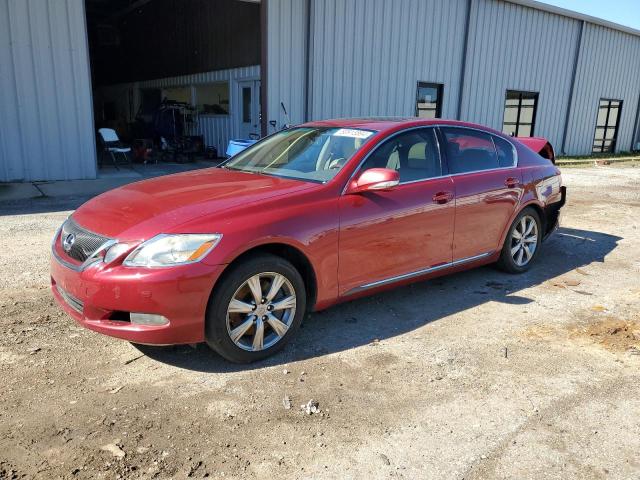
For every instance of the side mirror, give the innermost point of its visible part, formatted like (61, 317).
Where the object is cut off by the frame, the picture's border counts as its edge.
(374, 179)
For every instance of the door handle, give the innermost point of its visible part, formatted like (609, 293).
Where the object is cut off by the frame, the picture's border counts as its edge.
(442, 197)
(512, 182)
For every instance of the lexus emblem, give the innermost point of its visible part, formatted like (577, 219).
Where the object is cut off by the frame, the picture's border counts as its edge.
(68, 242)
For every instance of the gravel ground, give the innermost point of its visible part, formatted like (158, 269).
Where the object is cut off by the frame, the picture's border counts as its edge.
(476, 375)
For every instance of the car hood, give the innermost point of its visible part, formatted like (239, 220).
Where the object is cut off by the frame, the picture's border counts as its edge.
(160, 205)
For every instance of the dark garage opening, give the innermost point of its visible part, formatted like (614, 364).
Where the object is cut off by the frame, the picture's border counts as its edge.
(175, 80)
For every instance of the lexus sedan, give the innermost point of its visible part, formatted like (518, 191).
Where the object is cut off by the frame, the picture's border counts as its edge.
(307, 217)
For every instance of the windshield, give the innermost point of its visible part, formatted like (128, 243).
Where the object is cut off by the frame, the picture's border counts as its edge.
(304, 153)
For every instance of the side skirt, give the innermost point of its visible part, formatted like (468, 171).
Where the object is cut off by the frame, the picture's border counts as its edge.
(418, 273)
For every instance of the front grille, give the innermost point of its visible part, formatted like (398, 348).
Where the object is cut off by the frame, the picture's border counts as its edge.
(85, 242)
(72, 301)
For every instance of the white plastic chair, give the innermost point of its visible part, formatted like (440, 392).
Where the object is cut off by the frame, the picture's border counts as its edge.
(113, 146)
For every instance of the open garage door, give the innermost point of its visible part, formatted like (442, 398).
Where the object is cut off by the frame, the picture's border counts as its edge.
(169, 76)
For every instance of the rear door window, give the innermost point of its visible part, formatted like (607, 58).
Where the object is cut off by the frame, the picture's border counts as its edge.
(469, 150)
(506, 152)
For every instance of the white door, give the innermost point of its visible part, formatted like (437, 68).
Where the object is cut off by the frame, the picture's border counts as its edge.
(249, 109)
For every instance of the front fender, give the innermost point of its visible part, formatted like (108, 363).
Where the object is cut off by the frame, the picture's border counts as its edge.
(312, 230)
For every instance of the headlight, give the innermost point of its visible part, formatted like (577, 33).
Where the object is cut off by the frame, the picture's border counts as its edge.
(165, 250)
(116, 251)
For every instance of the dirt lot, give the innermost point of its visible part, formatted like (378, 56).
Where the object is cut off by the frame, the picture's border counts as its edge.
(478, 375)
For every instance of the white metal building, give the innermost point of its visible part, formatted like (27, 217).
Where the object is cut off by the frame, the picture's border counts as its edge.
(516, 65)
(46, 117)
(341, 58)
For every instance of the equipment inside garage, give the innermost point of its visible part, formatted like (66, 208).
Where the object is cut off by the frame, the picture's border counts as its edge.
(173, 80)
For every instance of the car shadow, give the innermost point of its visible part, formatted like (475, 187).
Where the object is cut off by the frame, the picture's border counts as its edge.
(398, 311)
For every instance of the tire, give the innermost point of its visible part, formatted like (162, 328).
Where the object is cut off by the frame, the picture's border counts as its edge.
(516, 255)
(245, 319)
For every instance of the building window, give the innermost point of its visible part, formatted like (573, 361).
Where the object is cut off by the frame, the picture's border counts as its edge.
(177, 94)
(213, 98)
(606, 134)
(429, 100)
(520, 113)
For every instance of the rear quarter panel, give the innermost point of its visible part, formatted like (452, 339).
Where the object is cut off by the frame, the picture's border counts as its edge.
(541, 181)
(542, 178)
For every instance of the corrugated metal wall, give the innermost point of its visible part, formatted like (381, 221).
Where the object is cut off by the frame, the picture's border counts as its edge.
(217, 130)
(608, 67)
(517, 48)
(286, 61)
(366, 57)
(46, 124)
(636, 137)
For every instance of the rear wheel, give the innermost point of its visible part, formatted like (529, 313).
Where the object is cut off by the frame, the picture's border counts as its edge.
(522, 243)
(256, 309)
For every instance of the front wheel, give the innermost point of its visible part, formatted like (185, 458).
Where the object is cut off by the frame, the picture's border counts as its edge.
(522, 243)
(256, 309)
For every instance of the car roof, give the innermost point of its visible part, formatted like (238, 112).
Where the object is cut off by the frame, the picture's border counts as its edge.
(383, 124)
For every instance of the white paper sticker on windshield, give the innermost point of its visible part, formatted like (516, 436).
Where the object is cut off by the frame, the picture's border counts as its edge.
(350, 132)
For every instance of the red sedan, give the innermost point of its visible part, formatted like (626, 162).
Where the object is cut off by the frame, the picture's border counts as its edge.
(304, 219)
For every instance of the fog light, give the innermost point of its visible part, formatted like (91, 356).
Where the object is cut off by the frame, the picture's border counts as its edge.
(148, 319)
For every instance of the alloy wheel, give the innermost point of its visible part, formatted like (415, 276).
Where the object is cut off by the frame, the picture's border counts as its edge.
(261, 311)
(524, 240)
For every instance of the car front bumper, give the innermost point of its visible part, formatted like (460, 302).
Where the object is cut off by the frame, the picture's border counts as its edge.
(100, 297)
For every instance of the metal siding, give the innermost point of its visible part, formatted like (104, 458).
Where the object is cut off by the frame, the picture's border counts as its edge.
(636, 138)
(544, 6)
(11, 163)
(519, 48)
(608, 67)
(46, 118)
(286, 54)
(216, 132)
(368, 55)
